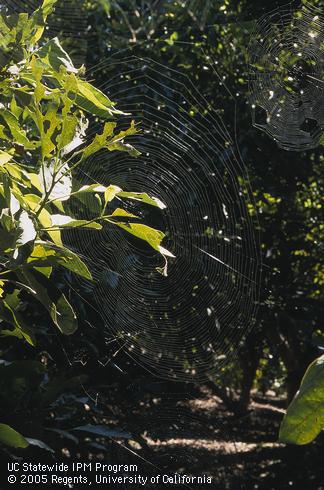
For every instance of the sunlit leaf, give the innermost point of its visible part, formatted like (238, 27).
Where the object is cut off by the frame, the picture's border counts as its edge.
(5, 157)
(94, 101)
(110, 193)
(53, 54)
(90, 188)
(73, 134)
(63, 221)
(100, 140)
(143, 197)
(38, 19)
(119, 212)
(150, 235)
(48, 253)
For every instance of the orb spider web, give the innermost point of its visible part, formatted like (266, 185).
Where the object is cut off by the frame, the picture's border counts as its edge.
(186, 324)
(285, 58)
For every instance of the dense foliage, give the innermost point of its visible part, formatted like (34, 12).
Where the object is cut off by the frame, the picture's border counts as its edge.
(44, 113)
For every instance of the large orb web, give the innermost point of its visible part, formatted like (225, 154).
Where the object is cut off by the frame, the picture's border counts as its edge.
(187, 324)
(286, 76)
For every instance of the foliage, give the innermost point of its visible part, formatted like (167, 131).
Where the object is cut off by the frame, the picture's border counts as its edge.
(45, 112)
(43, 139)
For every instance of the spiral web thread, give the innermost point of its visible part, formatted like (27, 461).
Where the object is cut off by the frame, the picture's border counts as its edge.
(189, 325)
(286, 76)
(207, 301)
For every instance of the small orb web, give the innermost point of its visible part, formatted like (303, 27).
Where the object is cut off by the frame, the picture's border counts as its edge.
(286, 76)
(188, 323)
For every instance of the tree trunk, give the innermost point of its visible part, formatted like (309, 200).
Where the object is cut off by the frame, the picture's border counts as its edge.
(294, 358)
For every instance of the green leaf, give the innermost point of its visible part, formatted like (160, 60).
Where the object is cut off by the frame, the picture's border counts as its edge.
(111, 142)
(54, 301)
(21, 333)
(12, 36)
(16, 173)
(100, 140)
(304, 419)
(18, 134)
(94, 101)
(121, 146)
(111, 192)
(53, 122)
(90, 188)
(15, 108)
(2, 133)
(47, 6)
(48, 253)
(37, 69)
(5, 157)
(119, 212)
(91, 201)
(55, 56)
(126, 132)
(63, 221)
(150, 235)
(117, 142)
(9, 313)
(143, 197)
(12, 438)
(37, 21)
(106, 5)
(72, 135)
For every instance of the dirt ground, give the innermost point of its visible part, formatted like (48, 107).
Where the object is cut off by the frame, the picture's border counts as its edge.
(197, 436)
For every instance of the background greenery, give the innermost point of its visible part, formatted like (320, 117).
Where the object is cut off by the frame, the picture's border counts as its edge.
(47, 398)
